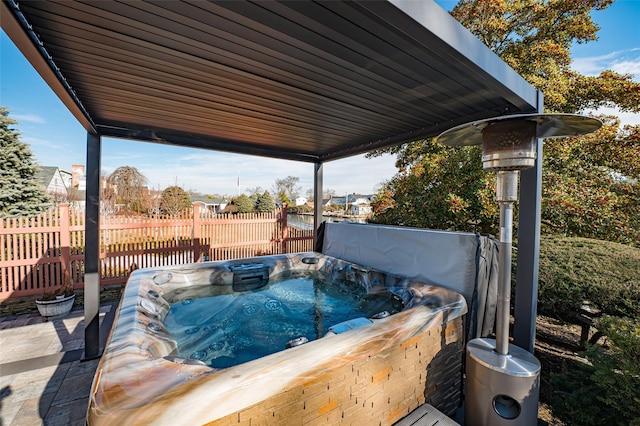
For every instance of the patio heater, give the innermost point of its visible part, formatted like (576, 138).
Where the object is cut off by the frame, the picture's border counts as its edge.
(502, 380)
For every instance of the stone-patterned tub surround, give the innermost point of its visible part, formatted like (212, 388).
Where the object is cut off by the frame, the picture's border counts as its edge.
(379, 372)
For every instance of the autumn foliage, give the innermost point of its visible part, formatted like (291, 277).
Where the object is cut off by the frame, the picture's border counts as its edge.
(591, 184)
(587, 189)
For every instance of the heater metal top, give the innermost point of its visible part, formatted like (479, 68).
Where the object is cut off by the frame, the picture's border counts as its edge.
(547, 126)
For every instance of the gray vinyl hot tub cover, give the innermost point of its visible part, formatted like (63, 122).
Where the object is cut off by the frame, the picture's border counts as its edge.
(464, 262)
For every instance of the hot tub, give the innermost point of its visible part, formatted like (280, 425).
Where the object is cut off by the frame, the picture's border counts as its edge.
(289, 339)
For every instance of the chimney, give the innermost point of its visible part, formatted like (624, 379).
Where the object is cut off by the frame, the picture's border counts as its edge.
(77, 175)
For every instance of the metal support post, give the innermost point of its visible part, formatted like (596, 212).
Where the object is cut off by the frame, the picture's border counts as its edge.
(92, 250)
(317, 201)
(529, 215)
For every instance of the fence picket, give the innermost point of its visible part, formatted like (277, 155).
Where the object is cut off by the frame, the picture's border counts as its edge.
(37, 254)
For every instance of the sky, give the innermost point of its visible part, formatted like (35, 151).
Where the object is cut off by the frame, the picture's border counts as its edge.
(57, 139)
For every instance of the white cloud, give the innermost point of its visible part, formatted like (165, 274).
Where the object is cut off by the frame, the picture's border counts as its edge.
(32, 118)
(217, 172)
(43, 143)
(621, 61)
(628, 67)
(358, 174)
(626, 118)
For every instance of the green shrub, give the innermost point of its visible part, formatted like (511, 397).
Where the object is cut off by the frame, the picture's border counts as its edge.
(606, 391)
(575, 270)
(230, 208)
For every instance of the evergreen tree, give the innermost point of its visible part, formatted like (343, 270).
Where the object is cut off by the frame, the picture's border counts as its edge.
(265, 203)
(20, 194)
(283, 198)
(254, 197)
(244, 203)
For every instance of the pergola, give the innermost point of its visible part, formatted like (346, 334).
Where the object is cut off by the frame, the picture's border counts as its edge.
(307, 81)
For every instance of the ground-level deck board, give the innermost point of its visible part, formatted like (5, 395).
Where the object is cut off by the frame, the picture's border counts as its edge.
(426, 415)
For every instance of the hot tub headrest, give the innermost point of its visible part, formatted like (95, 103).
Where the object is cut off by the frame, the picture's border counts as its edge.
(249, 277)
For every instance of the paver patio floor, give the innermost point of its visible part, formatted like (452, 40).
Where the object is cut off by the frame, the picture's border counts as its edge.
(43, 380)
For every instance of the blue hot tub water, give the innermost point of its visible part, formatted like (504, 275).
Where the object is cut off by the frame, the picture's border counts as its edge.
(223, 330)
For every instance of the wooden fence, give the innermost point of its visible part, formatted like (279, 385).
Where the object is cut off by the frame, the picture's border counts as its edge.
(38, 254)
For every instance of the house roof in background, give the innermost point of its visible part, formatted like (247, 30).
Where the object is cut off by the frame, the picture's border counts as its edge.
(302, 80)
(205, 199)
(45, 175)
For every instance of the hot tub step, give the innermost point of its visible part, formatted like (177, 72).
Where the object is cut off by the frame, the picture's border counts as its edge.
(426, 415)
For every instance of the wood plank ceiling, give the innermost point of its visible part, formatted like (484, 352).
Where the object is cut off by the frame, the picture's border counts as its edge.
(302, 80)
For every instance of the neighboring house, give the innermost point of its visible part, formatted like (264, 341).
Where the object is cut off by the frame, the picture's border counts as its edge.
(58, 185)
(53, 181)
(360, 209)
(336, 201)
(211, 204)
(351, 199)
(362, 199)
(301, 201)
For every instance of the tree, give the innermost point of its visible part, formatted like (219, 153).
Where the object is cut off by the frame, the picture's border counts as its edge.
(76, 198)
(287, 189)
(586, 191)
(283, 198)
(244, 204)
(230, 208)
(255, 190)
(265, 203)
(443, 188)
(326, 193)
(154, 202)
(606, 389)
(20, 194)
(590, 184)
(130, 188)
(254, 193)
(107, 196)
(534, 37)
(174, 200)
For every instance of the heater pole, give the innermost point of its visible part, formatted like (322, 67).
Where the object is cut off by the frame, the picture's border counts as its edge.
(502, 387)
(506, 195)
(504, 279)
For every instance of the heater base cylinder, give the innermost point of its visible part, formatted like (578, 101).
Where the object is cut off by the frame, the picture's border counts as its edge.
(500, 389)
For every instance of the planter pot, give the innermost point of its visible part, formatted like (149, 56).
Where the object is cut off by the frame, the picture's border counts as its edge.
(55, 309)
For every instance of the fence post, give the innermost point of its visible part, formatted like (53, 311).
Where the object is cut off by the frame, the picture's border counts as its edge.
(65, 243)
(196, 232)
(285, 228)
